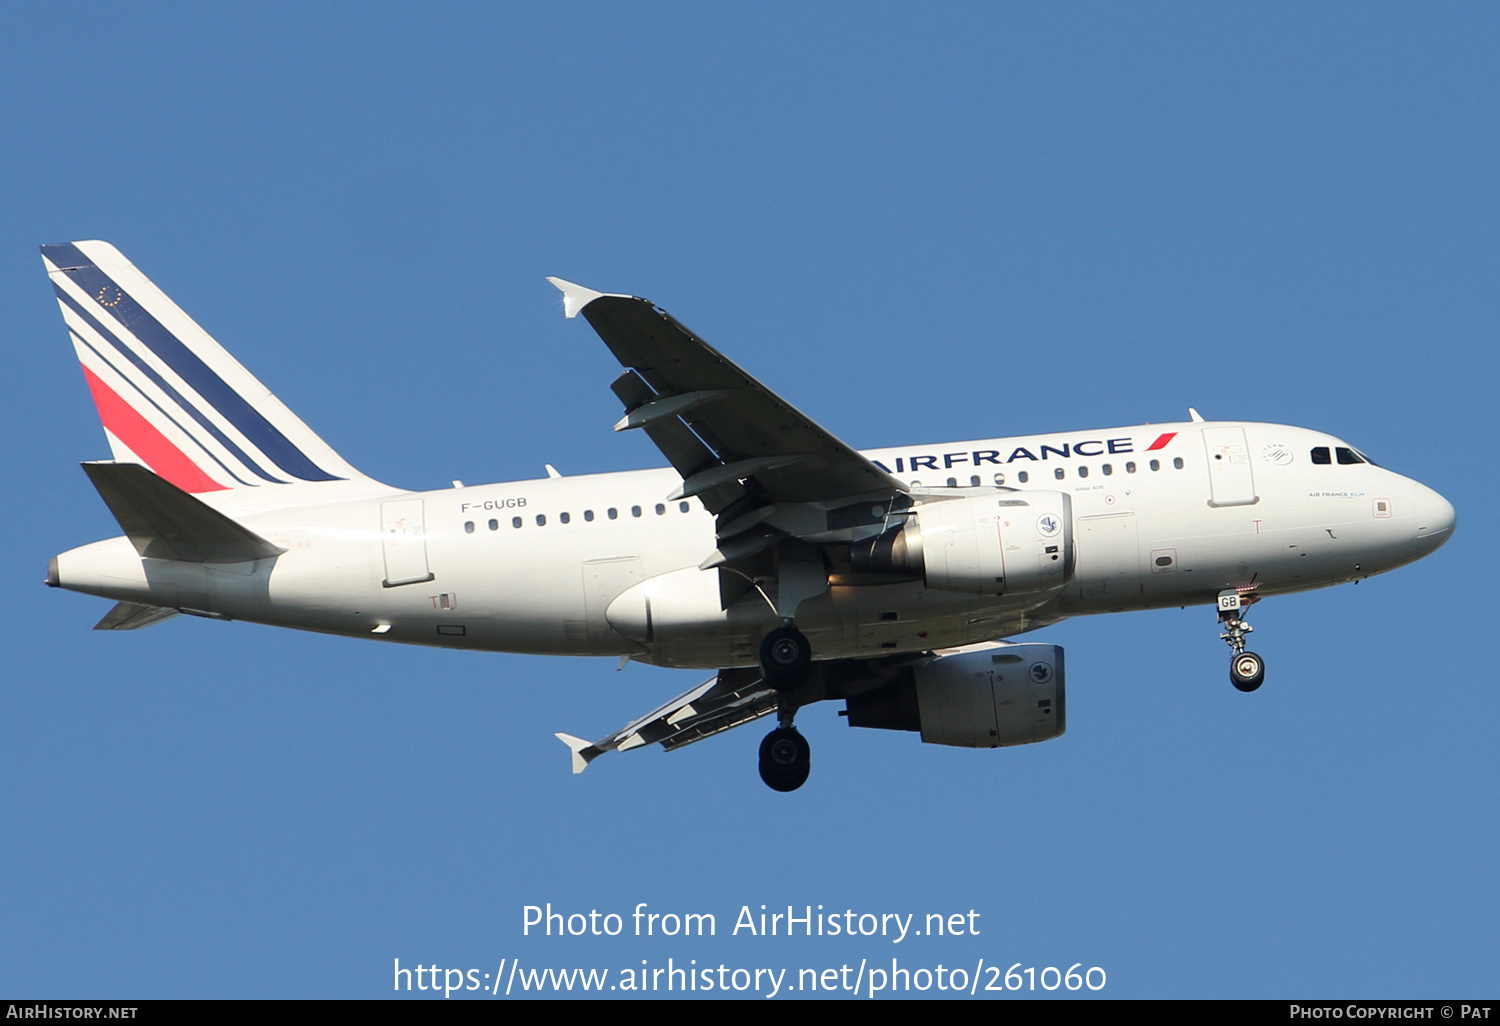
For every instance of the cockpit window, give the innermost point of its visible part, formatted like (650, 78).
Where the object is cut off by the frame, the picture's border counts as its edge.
(1320, 454)
(1347, 455)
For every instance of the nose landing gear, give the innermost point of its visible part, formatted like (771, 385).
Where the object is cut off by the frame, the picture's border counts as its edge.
(1246, 669)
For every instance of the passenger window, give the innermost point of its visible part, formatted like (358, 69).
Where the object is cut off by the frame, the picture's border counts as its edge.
(1156, 464)
(999, 480)
(953, 482)
(683, 506)
(588, 515)
(541, 520)
(661, 508)
(1023, 477)
(1347, 456)
(468, 527)
(1058, 473)
(1320, 454)
(614, 514)
(1177, 462)
(1108, 470)
(494, 525)
(565, 517)
(635, 511)
(1130, 467)
(974, 481)
(515, 521)
(1083, 471)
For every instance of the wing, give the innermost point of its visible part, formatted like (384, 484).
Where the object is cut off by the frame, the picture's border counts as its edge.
(781, 486)
(732, 698)
(746, 430)
(739, 696)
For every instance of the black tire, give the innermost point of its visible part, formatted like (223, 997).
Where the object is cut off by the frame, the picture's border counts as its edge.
(786, 658)
(1246, 671)
(785, 759)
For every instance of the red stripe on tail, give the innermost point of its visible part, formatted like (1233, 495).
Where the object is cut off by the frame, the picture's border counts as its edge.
(165, 459)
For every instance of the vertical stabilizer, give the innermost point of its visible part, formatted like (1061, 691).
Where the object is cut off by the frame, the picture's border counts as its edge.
(171, 398)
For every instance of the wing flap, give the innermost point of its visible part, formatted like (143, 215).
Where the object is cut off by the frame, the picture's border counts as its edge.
(683, 449)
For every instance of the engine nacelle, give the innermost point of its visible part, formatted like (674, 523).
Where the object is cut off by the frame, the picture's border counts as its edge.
(993, 544)
(987, 698)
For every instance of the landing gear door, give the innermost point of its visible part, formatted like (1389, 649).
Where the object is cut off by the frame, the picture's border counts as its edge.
(1231, 481)
(403, 537)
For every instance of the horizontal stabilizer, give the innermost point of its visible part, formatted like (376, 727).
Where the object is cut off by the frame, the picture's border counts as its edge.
(165, 522)
(130, 616)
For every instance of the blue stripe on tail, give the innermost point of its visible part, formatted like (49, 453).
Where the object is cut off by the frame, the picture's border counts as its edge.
(187, 364)
(162, 383)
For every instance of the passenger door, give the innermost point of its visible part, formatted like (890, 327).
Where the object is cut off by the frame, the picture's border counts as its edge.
(403, 538)
(1231, 481)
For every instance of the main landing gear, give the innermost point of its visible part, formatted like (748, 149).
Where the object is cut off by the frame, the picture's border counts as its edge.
(786, 665)
(785, 759)
(785, 658)
(1246, 669)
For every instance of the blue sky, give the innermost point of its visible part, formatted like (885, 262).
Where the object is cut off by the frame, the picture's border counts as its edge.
(914, 223)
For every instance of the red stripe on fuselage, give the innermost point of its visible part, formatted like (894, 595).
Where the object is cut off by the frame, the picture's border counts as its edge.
(1161, 442)
(165, 459)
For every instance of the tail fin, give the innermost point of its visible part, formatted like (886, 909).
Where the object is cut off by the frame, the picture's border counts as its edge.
(171, 397)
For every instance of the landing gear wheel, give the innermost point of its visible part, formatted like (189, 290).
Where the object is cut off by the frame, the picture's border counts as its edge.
(786, 658)
(785, 759)
(1246, 671)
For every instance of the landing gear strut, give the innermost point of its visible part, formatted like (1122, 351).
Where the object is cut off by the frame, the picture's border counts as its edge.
(1246, 669)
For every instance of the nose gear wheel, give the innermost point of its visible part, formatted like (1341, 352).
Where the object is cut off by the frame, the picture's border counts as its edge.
(1246, 671)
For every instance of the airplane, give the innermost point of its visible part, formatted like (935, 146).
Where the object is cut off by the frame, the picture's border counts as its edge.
(769, 551)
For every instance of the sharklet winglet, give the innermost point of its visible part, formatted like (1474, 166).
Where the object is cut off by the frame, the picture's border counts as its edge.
(584, 752)
(576, 297)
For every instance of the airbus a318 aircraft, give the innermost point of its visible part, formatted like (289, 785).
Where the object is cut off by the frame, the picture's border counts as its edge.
(797, 568)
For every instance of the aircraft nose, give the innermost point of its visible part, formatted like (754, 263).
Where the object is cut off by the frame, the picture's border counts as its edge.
(1435, 517)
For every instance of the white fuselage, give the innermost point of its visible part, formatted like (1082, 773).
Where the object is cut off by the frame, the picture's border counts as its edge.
(575, 565)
